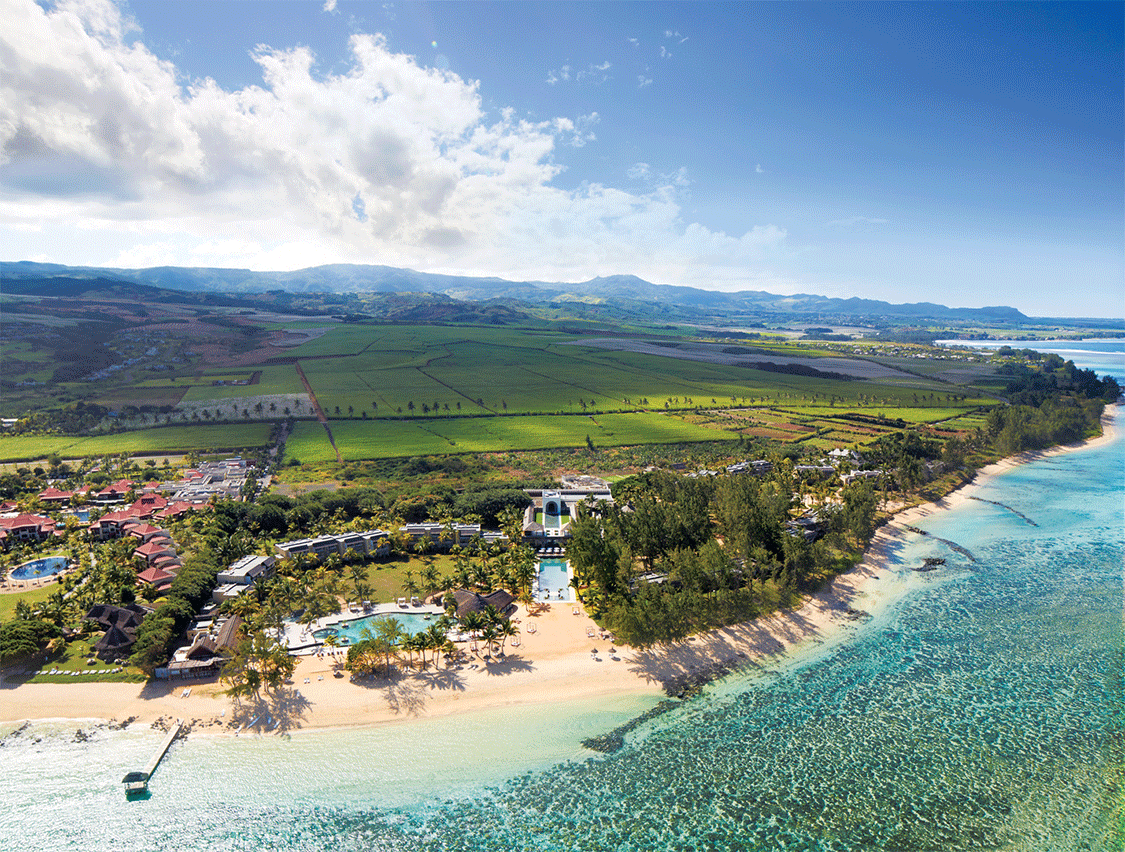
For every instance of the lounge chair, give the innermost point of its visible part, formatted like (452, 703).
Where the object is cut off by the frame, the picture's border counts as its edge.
(590, 632)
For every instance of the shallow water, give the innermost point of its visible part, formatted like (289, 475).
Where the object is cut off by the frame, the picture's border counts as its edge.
(978, 708)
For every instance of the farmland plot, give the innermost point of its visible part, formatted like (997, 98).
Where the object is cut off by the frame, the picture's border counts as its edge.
(431, 436)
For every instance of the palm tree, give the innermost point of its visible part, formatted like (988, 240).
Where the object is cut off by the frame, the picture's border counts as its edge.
(410, 585)
(506, 629)
(472, 622)
(428, 574)
(436, 635)
(488, 634)
(411, 644)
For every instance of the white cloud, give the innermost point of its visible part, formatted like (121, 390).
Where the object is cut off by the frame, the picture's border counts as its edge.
(758, 168)
(665, 53)
(108, 159)
(329, 5)
(561, 74)
(643, 81)
(633, 42)
(595, 74)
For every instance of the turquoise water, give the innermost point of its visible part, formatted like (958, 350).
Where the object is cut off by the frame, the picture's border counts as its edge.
(46, 567)
(411, 622)
(553, 576)
(1106, 357)
(978, 708)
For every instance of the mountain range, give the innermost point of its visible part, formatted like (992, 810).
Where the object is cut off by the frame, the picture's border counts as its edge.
(621, 293)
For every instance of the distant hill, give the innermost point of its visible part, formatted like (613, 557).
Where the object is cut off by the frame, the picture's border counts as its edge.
(617, 295)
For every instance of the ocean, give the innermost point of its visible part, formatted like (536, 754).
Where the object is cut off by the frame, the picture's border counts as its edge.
(979, 706)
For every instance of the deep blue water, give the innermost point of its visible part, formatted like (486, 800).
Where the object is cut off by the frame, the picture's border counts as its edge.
(980, 707)
(48, 566)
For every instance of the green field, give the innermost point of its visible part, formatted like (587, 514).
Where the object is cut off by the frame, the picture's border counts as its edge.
(375, 439)
(147, 441)
(393, 371)
(275, 379)
(190, 381)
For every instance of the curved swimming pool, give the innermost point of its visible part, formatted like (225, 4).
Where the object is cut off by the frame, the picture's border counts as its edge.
(352, 631)
(38, 568)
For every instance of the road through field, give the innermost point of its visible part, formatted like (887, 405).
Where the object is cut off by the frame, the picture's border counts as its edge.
(319, 411)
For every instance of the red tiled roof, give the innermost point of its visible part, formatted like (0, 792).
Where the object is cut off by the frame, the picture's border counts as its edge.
(53, 493)
(25, 520)
(119, 487)
(141, 530)
(173, 509)
(154, 575)
(152, 549)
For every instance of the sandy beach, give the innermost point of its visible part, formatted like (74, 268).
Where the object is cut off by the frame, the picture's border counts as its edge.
(556, 662)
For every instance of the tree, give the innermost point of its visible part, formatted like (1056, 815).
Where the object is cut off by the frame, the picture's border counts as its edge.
(473, 622)
(24, 637)
(506, 629)
(258, 660)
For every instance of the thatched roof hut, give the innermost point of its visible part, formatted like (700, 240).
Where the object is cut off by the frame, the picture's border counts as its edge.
(115, 643)
(472, 602)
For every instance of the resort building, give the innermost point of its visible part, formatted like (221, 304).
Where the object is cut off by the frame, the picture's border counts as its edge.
(151, 552)
(144, 532)
(175, 510)
(54, 497)
(205, 654)
(112, 524)
(759, 467)
(551, 511)
(369, 543)
(156, 577)
(248, 570)
(442, 536)
(147, 505)
(114, 493)
(120, 624)
(860, 474)
(26, 528)
(223, 479)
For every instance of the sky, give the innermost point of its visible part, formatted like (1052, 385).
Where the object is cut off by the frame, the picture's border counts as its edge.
(969, 154)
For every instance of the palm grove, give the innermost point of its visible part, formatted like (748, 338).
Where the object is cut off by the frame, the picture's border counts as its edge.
(676, 555)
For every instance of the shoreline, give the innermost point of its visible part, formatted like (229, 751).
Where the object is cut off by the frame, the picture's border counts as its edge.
(554, 664)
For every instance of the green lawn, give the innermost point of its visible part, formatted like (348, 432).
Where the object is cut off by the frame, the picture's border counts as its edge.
(33, 596)
(72, 657)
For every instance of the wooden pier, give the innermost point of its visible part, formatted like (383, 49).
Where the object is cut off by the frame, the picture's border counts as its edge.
(136, 783)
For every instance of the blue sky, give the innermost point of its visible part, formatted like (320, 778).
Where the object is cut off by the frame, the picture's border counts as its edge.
(962, 153)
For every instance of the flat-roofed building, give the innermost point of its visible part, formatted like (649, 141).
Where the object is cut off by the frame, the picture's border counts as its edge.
(248, 570)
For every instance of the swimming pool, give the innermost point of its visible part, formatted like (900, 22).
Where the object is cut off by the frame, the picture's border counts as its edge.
(554, 576)
(38, 568)
(352, 631)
